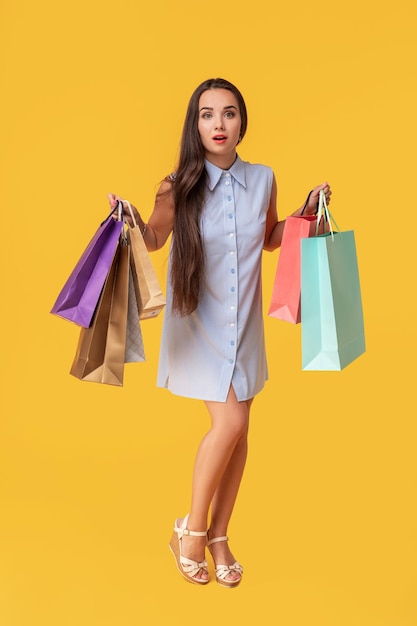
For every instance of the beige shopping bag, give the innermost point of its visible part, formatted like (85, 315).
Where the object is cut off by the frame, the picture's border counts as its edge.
(100, 354)
(148, 291)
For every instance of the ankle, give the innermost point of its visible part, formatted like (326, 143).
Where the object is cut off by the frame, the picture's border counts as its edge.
(214, 532)
(197, 524)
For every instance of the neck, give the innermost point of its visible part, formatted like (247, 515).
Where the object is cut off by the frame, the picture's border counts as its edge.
(225, 162)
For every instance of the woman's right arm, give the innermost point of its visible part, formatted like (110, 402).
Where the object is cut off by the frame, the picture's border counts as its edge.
(161, 222)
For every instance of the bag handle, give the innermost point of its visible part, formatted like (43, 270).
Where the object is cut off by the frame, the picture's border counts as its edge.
(323, 211)
(306, 202)
(119, 209)
(129, 206)
(135, 224)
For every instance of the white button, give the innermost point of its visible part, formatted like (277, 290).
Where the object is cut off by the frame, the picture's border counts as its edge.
(231, 235)
(227, 175)
(231, 252)
(232, 308)
(227, 182)
(232, 324)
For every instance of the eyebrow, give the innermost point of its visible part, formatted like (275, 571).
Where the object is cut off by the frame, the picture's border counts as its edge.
(231, 106)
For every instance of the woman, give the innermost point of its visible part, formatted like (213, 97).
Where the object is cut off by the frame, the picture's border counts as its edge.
(222, 213)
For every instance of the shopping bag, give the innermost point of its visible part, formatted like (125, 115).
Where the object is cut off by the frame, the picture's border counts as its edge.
(332, 326)
(148, 291)
(79, 296)
(134, 351)
(100, 354)
(286, 296)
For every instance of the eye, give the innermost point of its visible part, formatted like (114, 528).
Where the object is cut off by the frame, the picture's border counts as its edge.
(229, 114)
(206, 115)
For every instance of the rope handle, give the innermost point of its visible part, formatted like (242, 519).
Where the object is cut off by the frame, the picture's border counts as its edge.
(129, 206)
(323, 211)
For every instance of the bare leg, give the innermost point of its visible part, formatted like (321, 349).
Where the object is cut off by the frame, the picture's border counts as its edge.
(218, 471)
(227, 490)
(224, 500)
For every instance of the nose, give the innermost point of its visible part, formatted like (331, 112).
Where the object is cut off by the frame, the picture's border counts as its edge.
(218, 124)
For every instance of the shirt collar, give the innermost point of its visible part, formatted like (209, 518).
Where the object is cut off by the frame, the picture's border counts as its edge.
(215, 173)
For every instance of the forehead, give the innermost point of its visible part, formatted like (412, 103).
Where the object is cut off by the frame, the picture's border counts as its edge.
(218, 98)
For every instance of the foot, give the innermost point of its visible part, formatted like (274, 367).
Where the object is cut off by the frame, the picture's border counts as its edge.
(193, 548)
(222, 554)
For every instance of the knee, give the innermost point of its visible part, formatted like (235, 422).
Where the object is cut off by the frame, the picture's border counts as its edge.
(237, 428)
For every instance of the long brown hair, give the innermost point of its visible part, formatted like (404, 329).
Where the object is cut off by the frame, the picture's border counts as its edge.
(189, 189)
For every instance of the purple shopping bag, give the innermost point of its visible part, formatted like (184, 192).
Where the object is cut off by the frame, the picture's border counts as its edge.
(79, 296)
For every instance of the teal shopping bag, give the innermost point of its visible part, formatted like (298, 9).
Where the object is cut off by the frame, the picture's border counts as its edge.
(332, 326)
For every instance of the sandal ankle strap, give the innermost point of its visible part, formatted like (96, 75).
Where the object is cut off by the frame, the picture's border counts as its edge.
(183, 530)
(217, 539)
(193, 533)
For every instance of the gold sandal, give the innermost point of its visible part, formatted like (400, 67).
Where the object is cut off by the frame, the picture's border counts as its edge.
(223, 570)
(187, 567)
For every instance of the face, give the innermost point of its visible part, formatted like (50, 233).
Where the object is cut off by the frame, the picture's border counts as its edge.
(219, 124)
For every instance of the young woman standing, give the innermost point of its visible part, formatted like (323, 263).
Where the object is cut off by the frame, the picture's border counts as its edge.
(222, 214)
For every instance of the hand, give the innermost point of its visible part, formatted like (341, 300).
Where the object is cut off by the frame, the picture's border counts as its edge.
(114, 200)
(311, 208)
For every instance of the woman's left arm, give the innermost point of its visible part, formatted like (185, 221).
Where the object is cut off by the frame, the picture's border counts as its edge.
(274, 228)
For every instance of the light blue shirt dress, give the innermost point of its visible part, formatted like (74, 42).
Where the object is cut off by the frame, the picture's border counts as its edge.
(222, 342)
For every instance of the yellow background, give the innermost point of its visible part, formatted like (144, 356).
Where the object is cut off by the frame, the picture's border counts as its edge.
(93, 96)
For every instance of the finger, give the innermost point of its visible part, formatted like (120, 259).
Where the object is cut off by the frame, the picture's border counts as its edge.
(325, 187)
(113, 200)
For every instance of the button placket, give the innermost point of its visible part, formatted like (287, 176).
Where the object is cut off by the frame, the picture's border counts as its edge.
(231, 263)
